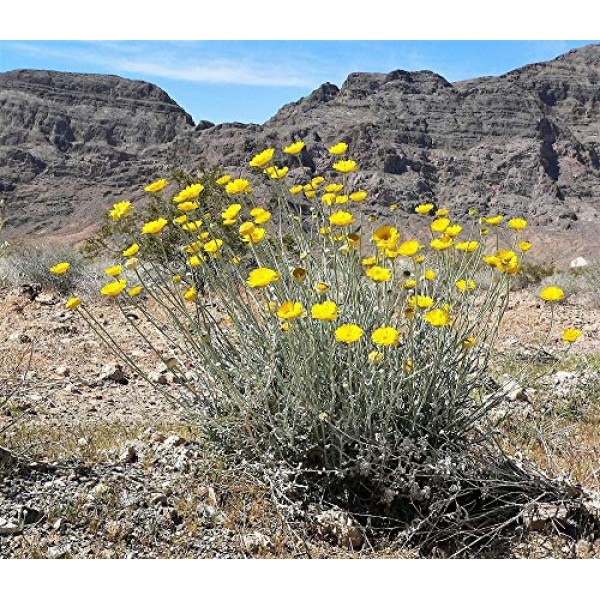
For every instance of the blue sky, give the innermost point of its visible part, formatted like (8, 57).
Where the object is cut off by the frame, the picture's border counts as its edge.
(248, 81)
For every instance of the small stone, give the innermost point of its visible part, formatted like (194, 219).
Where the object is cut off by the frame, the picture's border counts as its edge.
(579, 263)
(340, 526)
(255, 542)
(46, 299)
(113, 372)
(174, 441)
(8, 527)
(62, 371)
(156, 377)
(129, 454)
(22, 338)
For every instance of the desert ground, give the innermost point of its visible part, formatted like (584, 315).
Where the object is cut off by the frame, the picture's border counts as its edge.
(98, 464)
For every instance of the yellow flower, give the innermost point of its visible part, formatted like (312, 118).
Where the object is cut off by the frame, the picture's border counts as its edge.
(315, 182)
(468, 342)
(341, 199)
(326, 311)
(571, 335)
(213, 246)
(408, 366)
(348, 333)
(429, 275)
(442, 212)
(260, 215)
(524, 246)
(309, 194)
(419, 259)
(508, 262)
(440, 225)
(465, 285)
(256, 236)
(438, 317)
(187, 206)
(378, 274)
(424, 209)
(223, 180)
(295, 189)
(193, 247)
(419, 301)
(176, 278)
(153, 227)
(409, 284)
(484, 231)
(285, 327)
(358, 196)
(328, 199)
(238, 186)
(393, 207)
(354, 240)
(231, 212)
(369, 261)
(290, 310)
(299, 274)
(113, 271)
(385, 336)
(114, 288)
(552, 294)
(442, 243)
(191, 192)
(324, 230)
(375, 356)
(345, 166)
(494, 220)
(156, 186)
(517, 223)
(195, 261)
(294, 148)
(262, 277)
(386, 237)
(469, 246)
(180, 220)
(132, 250)
(409, 248)
(453, 230)
(236, 260)
(132, 263)
(334, 188)
(73, 303)
(276, 172)
(135, 291)
(339, 148)
(341, 218)
(120, 210)
(262, 159)
(60, 268)
(192, 226)
(190, 294)
(321, 287)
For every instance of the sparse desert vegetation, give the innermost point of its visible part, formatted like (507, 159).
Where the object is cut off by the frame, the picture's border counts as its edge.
(283, 376)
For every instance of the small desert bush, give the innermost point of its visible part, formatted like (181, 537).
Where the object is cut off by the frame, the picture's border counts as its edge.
(360, 358)
(25, 263)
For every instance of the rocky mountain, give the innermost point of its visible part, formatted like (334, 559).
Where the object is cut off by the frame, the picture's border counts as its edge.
(526, 143)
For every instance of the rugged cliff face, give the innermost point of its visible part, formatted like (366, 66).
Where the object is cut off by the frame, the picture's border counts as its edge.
(69, 143)
(527, 143)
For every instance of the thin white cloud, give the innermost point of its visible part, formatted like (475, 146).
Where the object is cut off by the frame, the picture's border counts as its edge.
(220, 71)
(174, 63)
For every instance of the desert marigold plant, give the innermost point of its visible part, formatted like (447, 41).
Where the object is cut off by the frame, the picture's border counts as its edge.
(329, 342)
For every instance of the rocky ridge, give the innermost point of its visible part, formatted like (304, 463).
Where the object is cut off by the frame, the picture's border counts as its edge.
(527, 142)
